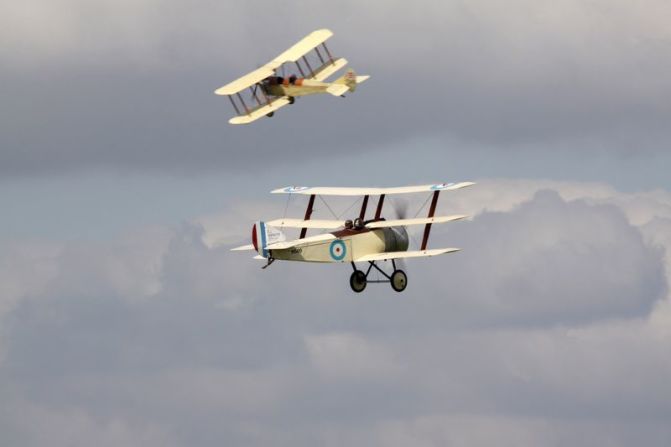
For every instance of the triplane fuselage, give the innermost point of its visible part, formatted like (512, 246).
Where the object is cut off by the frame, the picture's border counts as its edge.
(353, 241)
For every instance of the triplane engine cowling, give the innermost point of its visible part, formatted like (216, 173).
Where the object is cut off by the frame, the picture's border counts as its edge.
(395, 239)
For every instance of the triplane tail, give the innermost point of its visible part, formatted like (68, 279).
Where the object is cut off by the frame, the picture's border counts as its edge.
(264, 235)
(350, 79)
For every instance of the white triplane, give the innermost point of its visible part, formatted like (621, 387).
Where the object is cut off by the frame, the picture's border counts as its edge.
(359, 240)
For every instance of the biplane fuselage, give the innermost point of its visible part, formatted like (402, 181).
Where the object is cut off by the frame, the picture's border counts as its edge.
(300, 87)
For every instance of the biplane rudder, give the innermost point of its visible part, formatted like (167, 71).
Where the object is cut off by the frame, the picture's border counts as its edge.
(350, 79)
(264, 235)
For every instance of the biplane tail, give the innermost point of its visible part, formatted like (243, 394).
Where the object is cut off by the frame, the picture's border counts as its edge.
(350, 79)
(264, 235)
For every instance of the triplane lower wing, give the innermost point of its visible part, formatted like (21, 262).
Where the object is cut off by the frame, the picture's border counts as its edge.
(269, 91)
(357, 240)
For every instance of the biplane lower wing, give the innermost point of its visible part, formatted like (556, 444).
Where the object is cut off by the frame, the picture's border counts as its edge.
(416, 221)
(328, 69)
(405, 254)
(260, 112)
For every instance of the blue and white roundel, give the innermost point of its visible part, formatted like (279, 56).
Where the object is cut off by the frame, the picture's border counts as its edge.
(441, 186)
(291, 189)
(338, 250)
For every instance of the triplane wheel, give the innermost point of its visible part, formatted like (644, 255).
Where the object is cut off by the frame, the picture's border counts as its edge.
(399, 280)
(358, 281)
(270, 115)
(292, 100)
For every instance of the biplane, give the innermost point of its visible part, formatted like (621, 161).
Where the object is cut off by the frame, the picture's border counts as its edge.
(270, 88)
(359, 240)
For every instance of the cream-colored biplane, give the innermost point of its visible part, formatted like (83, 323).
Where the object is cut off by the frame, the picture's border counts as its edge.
(359, 240)
(269, 91)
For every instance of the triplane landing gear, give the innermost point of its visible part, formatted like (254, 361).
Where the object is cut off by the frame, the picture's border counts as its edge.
(358, 280)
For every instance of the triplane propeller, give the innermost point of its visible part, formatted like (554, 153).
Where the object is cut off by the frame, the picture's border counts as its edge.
(270, 91)
(359, 240)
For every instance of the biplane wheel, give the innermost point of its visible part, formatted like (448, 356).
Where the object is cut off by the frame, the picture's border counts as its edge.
(292, 100)
(270, 115)
(358, 281)
(399, 280)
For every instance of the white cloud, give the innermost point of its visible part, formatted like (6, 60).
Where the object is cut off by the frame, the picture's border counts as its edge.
(540, 331)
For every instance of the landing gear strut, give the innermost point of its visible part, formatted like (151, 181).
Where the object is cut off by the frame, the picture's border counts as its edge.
(358, 280)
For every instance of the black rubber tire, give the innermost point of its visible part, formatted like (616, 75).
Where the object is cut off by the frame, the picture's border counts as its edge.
(270, 115)
(358, 281)
(292, 100)
(399, 280)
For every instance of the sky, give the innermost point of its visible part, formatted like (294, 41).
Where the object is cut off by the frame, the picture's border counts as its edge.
(126, 320)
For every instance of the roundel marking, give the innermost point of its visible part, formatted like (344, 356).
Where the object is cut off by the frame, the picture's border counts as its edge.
(338, 250)
(296, 188)
(441, 186)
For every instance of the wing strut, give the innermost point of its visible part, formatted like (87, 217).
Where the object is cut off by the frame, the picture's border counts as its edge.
(237, 111)
(321, 59)
(427, 228)
(364, 205)
(243, 103)
(300, 68)
(308, 213)
(312, 72)
(378, 211)
(327, 52)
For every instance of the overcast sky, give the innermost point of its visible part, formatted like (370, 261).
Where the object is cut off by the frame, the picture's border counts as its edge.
(125, 320)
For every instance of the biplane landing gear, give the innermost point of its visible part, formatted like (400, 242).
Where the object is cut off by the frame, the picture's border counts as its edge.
(270, 115)
(399, 280)
(358, 281)
(292, 100)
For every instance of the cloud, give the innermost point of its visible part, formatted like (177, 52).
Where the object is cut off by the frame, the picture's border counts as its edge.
(130, 85)
(541, 329)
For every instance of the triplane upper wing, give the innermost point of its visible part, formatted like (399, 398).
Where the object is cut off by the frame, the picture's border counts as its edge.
(346, 191)
(265, 101)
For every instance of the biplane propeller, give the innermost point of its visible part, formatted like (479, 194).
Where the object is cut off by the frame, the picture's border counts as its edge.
(360, 240)
(270, 91)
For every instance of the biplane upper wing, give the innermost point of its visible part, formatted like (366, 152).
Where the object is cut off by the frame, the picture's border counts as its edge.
(304, 46)
(344, 191)
(246, 81)
(405, 254)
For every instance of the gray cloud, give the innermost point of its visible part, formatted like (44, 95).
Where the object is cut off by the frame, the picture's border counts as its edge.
(540, 330)
(132, 87)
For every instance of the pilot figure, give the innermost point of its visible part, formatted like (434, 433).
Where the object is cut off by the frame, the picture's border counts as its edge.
(358, 223)
(348, 224)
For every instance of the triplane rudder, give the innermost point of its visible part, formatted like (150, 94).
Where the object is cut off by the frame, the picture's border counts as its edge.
(358, 240)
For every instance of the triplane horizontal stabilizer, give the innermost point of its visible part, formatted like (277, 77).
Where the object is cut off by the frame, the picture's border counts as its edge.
(353, 240)
(271, 89)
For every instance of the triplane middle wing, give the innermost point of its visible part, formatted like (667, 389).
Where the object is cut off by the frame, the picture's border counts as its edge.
(268, 91)
(357, 240)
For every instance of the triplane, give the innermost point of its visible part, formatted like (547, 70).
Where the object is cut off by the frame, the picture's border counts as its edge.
(359, 240)
(270, 91)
